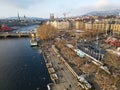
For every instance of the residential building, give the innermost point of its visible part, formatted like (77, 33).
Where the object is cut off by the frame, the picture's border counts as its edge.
(61, 24)
(115, 29)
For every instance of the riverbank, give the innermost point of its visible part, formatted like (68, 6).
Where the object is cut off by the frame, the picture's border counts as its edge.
(63, 57)
(101, 74)
(65, 79)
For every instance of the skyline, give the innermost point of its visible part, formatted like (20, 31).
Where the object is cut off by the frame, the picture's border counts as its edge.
(43, 8)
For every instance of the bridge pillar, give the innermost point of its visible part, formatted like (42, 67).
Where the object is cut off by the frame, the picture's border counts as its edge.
(5, 35)
(19, 35)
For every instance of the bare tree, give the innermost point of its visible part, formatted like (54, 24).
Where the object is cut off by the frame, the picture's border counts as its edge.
(46, 31)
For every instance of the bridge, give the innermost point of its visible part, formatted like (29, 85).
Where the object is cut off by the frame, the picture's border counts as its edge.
(15, 34)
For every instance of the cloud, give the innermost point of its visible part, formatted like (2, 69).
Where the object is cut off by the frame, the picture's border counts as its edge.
(97, 6)
(44, 7)
(102, 5)
(20, 3)
(106, 4)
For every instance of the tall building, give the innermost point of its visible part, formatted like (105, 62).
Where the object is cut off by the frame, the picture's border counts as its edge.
(51, 17)
(24, 18)
(18, 17)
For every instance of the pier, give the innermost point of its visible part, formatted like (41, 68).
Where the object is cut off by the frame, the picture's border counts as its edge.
(14, 34)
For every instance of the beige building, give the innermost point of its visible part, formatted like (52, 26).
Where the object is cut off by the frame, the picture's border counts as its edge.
(88, 26)
(79, 24)
(97, 26)
(116, 29)
(61, 24)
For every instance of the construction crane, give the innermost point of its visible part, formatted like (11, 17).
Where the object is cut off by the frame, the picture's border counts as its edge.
(64, 14)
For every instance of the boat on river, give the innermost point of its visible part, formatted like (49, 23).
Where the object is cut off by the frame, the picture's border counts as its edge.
(5, 28)
(33, 40)
(33, 43)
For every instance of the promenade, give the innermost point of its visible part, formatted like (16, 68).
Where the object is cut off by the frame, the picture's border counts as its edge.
(66, 80)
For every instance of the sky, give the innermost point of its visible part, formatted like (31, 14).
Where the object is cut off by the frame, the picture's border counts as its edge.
(43, 8)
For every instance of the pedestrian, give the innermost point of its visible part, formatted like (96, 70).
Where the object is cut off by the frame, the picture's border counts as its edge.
(70, 85)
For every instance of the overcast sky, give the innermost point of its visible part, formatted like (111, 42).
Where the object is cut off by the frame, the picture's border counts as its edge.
(43, 8)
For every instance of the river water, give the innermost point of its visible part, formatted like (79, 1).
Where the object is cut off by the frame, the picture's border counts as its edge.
(26, 28)
(21, 66)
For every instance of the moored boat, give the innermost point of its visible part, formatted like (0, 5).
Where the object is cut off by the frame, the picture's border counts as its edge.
(33, 43)
(5, 28)
(33, 40)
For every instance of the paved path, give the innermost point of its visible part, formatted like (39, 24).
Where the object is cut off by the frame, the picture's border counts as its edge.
(66, 79)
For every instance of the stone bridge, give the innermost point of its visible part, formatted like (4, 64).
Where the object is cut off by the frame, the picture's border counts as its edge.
(14, 34)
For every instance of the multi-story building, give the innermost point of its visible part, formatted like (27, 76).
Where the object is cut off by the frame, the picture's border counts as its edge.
(94, 24)
(79, 24)
(115, 29)
(61, 24)
(88, 26)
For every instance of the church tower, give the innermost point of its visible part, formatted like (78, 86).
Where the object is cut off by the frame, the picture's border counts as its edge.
(19, 18)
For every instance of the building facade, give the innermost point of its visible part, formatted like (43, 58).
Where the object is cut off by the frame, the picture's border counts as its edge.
(61, 24)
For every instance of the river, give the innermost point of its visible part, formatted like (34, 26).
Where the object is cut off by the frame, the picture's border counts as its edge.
(25, 28)
(21, 66)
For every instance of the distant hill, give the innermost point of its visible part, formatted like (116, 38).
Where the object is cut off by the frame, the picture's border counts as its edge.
(32, 18)
(105, 12)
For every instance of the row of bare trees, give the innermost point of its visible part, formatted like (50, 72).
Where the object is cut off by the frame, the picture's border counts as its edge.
(104, 80)
(89, 33)
(113, 63)
(68, 54)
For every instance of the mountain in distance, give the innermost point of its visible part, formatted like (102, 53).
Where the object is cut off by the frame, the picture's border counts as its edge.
(32, 18)
(105, 12)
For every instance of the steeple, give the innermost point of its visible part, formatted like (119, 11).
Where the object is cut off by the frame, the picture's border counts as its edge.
(24, 18)
(18, 17)
(52, 17)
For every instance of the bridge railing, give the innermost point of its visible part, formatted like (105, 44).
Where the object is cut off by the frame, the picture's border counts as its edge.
(15, 34)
